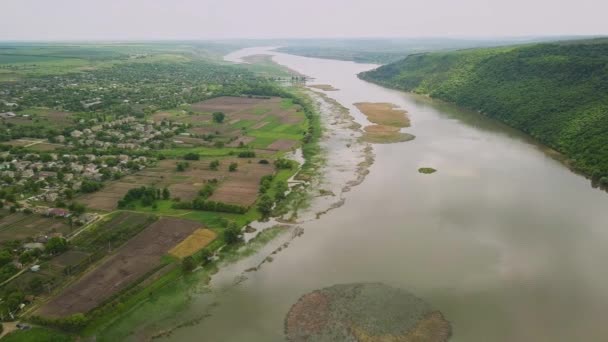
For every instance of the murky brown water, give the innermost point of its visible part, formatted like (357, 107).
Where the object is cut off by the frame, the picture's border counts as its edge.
(504, 240)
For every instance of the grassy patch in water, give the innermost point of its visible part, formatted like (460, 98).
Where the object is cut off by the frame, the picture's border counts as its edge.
(426, 170)
(380, 134)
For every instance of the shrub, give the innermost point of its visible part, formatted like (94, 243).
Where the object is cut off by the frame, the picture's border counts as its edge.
(192, 156)
(246, 154)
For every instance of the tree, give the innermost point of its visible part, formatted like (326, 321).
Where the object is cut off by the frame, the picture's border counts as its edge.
(232, 233)
(166, 194)
(5, 257)
(233, 167)
(265, 205)
(56, 245)
(218, 117)
(214, 165)
(280, 189)
(188, 264)
(77, 208)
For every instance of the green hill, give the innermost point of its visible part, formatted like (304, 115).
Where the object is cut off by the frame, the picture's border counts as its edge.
(557, 93)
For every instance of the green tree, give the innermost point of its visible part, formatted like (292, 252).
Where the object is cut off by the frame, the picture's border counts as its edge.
(218, 117)
(232, 233)
(233, 167)
(56, 245)
(265, 205)
(188, 264)
(166, 194)
(214, 165)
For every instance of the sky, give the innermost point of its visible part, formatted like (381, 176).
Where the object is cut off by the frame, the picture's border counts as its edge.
(221, 19)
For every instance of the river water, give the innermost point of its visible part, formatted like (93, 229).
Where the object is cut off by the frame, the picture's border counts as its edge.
(507, 242)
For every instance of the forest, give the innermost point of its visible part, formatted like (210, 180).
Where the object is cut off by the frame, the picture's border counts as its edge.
(555, 92)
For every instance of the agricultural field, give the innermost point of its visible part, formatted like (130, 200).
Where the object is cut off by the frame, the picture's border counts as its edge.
(238, 187)
(20, 226)
(200, 239)
(168, 152)
(265, 123)
(128, 264)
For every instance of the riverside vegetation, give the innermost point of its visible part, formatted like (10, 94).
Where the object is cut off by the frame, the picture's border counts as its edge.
(557, 93)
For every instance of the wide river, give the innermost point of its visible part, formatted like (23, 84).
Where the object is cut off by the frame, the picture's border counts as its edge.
(505, 240)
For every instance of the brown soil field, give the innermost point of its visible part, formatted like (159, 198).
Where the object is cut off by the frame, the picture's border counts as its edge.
(185, 185)
(21, 226)
(20, 142)
(69, 258)
(243, 108)
(384, 114)
(128, 264)
(244, 139)
(44, 147)
(160, 116)
(241, 187)
(325, 87)
(282, 145)
(60, 118)
(227, 104)
(380, 134)
(193, 243)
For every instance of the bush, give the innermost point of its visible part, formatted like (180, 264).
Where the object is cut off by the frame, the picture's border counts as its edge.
(233, 167)
(283, 163)
(214, 165)
(246, 154)
(188, 264)
(192, 156)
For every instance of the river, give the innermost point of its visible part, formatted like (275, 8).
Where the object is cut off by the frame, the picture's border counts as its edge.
(506, 241)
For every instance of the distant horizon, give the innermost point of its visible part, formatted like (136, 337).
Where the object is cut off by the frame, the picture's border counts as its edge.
(118, 20)
(481, 38)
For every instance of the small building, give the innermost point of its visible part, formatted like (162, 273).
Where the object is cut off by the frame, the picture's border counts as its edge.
(33, 245)
(58, 212)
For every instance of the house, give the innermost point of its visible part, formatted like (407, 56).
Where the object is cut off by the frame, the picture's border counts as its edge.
(33, 245)
(58, 212)
(50, 197)
(7, 115)
(27, 174)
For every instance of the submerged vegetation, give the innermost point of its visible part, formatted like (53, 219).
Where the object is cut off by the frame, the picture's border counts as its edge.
(557, 93)
(364, 312)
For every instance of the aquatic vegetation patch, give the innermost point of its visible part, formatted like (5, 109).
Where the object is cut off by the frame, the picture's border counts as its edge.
(364, 312)
(426, 170)
(384, 114)
(381, 134)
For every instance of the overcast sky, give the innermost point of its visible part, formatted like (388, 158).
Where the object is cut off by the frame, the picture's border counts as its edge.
(202, 19)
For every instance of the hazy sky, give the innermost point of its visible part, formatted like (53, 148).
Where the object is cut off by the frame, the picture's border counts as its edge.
(195, 19)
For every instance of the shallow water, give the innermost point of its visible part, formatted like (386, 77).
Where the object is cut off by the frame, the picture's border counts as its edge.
(506, 241)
